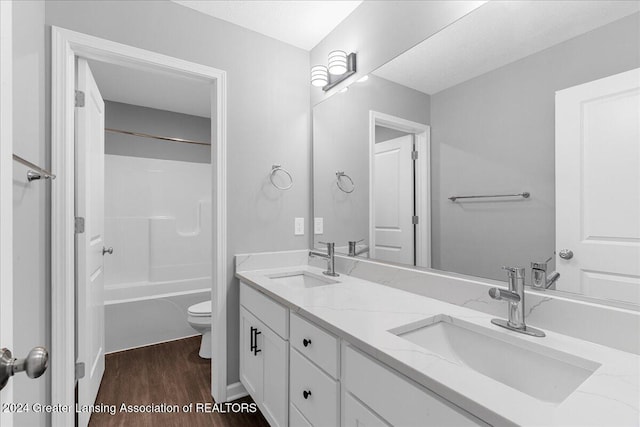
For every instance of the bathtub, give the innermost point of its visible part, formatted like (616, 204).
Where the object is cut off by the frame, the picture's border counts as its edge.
(144, 313)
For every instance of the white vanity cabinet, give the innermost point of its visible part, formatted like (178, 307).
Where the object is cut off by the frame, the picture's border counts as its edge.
(314, 389)
(375, 395)
(264, 354)
(299, 374)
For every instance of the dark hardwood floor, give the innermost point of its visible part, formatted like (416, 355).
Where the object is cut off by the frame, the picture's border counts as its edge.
(171, 373)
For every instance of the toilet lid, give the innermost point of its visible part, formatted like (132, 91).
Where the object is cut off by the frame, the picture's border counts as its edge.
(201, 309)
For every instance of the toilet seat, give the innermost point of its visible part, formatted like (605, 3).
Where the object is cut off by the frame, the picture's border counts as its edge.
(202, 309)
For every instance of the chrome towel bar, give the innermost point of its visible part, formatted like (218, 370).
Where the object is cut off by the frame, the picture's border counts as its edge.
(38, 173)
(524, 195)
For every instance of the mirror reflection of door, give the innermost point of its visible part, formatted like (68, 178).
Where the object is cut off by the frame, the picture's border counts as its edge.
(394, 200)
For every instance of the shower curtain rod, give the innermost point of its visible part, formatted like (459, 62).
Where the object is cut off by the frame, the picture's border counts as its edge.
(164, 138)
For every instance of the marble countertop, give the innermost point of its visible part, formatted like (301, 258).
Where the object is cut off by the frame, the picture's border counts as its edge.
(362, 313)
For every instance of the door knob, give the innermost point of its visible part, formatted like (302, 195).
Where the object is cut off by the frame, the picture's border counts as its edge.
(34, 364)
(566, 254)
(107, 251)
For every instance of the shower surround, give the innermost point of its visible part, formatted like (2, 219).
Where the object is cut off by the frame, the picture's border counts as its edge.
(158, 220)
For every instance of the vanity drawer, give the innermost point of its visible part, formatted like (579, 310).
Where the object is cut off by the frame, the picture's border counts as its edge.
(396, 398)
(272, 314)
(320, 407)
(296, 419)
(318, 345)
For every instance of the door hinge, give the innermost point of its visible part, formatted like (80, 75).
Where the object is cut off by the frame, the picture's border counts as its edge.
(414, 155)
(415, 219)
(79, 370)
(79, 225)
(79, 98)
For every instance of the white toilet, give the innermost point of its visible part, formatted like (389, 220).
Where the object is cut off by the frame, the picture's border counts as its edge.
(200, 320)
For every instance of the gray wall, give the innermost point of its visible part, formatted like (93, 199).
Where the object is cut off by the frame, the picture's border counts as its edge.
(156, 122)
(381, 30)
(268, 115)
(341, 143)
(385, 134)
(31, 201)
(494, 134)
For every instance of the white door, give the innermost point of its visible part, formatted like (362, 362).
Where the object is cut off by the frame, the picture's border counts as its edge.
(598, 187)
(89, 245)
(6, 200)
(393, 201)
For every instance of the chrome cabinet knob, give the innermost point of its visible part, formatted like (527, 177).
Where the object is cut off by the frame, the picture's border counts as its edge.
(107, 251)
(35, 364)
(566, 254)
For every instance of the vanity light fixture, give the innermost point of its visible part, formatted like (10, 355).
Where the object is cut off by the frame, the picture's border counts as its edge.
(341, 66)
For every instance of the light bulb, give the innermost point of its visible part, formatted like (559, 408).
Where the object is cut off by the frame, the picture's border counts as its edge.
(319, 76)
(337, 62)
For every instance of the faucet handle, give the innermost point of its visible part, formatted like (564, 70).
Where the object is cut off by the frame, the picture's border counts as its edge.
(330, 245)
(514, 271)
(541, 265)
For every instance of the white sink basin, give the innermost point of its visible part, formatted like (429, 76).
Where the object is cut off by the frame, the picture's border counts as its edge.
(302, 279)
(545, 374)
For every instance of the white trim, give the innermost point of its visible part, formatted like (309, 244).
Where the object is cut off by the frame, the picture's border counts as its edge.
(236, 391)
(65, 46)
(6, 194)
(423, 198)
(423, 181)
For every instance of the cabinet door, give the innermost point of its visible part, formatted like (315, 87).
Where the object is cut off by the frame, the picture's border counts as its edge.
(275, 392)
(355, 414)
(251, 363)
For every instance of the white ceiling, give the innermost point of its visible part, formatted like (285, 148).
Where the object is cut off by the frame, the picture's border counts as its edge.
(300, 23)
(496, 34)
(153, 90)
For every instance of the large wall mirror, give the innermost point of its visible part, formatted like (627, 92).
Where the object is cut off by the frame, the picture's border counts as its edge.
(510, 137)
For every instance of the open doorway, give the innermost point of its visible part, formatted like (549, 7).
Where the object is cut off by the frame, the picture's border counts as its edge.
(143, 257)
(82, 176)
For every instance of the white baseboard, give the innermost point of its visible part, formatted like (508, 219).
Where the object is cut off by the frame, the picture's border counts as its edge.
(236, 391)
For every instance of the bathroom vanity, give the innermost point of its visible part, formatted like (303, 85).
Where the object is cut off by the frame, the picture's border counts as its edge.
(329, 351)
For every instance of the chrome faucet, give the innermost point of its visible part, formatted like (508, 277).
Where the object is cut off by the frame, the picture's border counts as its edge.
(515, 298)
(329, 256)
(539, 278)
(353, 248)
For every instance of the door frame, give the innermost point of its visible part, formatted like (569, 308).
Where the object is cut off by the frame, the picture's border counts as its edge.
(422, 142)
(6, 192)
(65, 46)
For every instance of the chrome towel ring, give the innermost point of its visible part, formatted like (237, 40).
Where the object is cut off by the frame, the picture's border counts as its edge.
(274, 170)
(339, 176)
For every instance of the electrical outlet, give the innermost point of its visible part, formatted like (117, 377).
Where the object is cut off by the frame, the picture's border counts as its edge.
(318, 225)
(299, 227)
